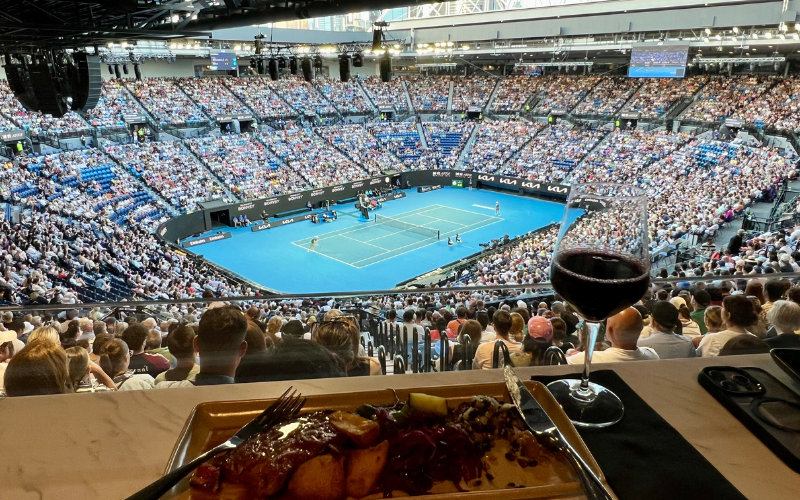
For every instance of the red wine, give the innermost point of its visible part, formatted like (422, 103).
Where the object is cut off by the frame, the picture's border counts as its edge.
(598, 284)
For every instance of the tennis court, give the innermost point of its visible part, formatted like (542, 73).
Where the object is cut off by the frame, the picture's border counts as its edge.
(387, 237)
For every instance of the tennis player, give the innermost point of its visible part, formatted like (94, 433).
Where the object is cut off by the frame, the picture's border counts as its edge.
(314, 243)
(497, 208)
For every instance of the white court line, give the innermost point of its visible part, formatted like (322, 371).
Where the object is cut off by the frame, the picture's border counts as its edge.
(481, 206)
(423, 246)
(328, 256)
(476, 213)
(364, 242)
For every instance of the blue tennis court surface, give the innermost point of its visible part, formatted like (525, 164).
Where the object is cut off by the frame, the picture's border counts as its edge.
(361, 255)
(374, 242)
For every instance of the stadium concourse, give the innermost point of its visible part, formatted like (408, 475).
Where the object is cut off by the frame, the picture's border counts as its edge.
(89, 212)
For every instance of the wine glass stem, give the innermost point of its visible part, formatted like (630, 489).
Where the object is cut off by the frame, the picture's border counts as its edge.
(591, 332)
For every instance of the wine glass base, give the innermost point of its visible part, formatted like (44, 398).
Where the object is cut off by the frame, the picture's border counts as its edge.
(597, 407)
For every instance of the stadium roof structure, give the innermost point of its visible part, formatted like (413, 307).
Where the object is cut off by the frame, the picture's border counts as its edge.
(80, 23)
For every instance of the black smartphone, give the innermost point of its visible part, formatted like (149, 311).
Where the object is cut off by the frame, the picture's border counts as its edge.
(788, 360)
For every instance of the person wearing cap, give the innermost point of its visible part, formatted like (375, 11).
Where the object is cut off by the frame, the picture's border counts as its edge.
(663, 338)
(535, 342)
(689, 328)
(700, 301)
(293, 328)
(736, 242)
(622, 331)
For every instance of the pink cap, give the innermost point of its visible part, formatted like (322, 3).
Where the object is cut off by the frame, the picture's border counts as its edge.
(540, 327)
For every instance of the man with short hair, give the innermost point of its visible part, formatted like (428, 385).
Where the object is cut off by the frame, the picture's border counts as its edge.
(220, 344)
(153, 346)
(663, 339)
(502, 327)
(773, 290)
(461, 318)
(622, 331)
(151, 364)
(487, 331)
(181, 347)
(700, 302)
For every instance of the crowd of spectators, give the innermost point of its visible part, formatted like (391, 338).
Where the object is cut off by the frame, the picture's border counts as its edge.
(608, 96)
(362, 147)
(429, 94)
(776, 109)
(724, 97)
(515, 91)
(497, 141)
(172, 173)
(347, 97)
(564, 92)
(115, 102)
(246, 166)
(164, 99)
(553, 153)
(257, 95)
(446, 141)
(33, 121)
(314, 158)
(657, 95)
(212, 96)
(302, 96)
(401, 138)
(472, 91)
(386, 94)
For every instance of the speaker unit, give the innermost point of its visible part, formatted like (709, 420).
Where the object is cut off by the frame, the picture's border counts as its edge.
(116, 71)
(344, 67)
(110, 70)
(46, 88)
(377, 40)
(293, 65)
(281, 62)
(273, 69)
(137, 72)
(305, 64)
(317, 63)
(87, 84)
(386, 69)
(358, 60)
(125, 68)
(260, 66)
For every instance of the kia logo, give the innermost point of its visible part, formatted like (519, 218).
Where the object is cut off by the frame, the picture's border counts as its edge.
(287, 221)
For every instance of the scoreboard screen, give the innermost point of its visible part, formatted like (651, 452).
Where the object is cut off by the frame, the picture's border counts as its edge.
(660, 61)
(223, 61)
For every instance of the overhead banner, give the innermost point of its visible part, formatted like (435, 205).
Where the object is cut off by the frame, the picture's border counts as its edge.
(734, 122)
(134, 118)
(229, 118)
(12, 135)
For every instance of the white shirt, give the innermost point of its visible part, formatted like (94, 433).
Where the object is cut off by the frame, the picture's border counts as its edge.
(614, 354)
(712, 343)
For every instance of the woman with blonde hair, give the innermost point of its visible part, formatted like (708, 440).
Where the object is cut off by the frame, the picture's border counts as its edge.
(274, 327)
(712, 317)
(45, 332)
(341, 338)
(83, 372)
(517, 327)
(119, 327)
(114, 359)
(38, 369)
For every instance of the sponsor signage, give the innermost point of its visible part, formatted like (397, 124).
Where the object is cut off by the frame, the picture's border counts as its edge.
(134, 118)
(445, 173)
(734, 122)
(12, 135)
(425, 189)
(630, 116)
(229, 118)
(260, 227)
(246, 206)
(207, 239)
(525, 185)
(558, 112)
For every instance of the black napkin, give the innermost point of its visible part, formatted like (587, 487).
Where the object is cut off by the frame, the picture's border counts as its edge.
(643, 457)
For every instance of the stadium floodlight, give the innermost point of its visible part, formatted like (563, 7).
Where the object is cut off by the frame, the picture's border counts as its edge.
(718, 37)
(796, 36)
(755, 36)
(768, 35)
(705, 39)
(735, 29)
(708, 31)
(782, 36)
(797, 26)
(465, 47)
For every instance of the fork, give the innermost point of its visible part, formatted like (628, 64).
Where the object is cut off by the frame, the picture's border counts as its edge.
(286, 407)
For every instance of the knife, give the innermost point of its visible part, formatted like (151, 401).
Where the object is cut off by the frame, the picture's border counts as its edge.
(542, 426)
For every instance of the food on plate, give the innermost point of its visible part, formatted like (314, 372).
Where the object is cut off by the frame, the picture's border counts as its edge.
(416, 447)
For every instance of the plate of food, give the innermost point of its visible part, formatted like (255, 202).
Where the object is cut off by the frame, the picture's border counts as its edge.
(440, 443)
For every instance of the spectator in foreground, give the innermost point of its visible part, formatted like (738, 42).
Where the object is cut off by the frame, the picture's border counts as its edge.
(181, 345)
(502, 328)
(341, 338)
(84, 374)
(536, 341)
(220, 343)
(464, 352)
(622, 331)
(744, 344)
(700, 301)
(293, 359)
(737, 314)
(785, 317)
(663, 339)
(135, 337)
(38, 369)
(115, 360)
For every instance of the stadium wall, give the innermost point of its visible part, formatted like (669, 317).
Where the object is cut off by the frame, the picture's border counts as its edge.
(199, 221)
(181, 67)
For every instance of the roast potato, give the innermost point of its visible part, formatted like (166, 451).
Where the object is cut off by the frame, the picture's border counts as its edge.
(363, 432)
(321, 478)
(364, 468)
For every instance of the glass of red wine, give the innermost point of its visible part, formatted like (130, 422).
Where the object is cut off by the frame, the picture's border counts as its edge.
(601, 266)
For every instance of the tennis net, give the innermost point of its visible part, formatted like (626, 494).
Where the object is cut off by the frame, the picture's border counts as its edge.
(414, 228)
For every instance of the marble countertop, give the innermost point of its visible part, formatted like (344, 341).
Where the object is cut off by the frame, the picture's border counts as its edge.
(108, 445)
